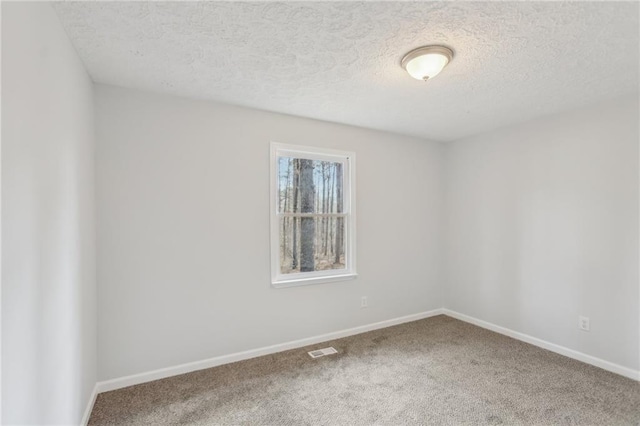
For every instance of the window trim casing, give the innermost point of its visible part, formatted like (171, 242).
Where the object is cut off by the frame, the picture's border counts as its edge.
(279, 280)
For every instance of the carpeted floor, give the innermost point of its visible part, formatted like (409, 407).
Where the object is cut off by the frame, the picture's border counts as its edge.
(437, 371)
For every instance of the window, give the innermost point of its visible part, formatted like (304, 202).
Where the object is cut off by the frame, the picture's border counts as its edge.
(312, 215)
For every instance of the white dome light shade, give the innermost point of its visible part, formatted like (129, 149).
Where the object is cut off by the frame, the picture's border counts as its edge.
(426, 62)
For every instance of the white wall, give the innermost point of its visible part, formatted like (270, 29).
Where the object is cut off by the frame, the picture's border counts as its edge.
(183, 231)
(542, 226)
(49, 343)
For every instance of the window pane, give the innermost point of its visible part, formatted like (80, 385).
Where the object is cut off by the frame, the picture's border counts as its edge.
(310, 244)
(310, 186)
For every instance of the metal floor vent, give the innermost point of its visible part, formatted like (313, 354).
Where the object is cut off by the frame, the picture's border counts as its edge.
(322, 352)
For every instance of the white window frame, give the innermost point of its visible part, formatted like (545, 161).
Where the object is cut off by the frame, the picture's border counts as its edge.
(348, 159)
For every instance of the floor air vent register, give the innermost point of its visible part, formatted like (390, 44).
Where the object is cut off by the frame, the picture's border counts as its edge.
(322, 352)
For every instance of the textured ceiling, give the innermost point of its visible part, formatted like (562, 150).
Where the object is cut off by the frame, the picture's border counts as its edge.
(339, 61)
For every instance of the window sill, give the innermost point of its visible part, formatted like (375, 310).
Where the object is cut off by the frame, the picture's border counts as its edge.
(313, 280)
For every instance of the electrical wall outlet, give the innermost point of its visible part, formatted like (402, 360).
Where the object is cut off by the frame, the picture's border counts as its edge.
(583, 323)
(363, 302)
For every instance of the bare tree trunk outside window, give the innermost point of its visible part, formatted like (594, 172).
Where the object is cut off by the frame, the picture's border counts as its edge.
(339, 220)
(325, 206)
(318, 183)
(296, 185)
(332, 187)
(307, 224)
(284, 209)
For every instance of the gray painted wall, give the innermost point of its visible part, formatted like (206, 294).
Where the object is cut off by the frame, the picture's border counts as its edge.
(542, 226)
(49, 343)
(183, 231)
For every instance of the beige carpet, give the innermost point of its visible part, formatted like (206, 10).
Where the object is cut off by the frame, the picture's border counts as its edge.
(434, 371)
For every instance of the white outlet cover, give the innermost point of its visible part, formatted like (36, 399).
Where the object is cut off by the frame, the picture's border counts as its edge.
(583, 323)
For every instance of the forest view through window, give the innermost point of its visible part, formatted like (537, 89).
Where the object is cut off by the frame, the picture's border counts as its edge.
(311, 211)
(313, 207)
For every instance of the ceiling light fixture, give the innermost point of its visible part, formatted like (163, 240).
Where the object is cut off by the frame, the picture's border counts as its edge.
(426, 62)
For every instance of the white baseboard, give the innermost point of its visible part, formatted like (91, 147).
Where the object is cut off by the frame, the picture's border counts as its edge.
(162, 373)
(605, 365)
(92, 401)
